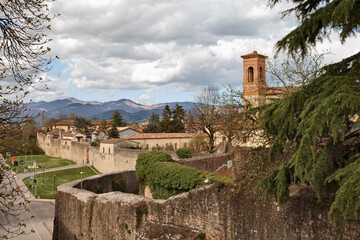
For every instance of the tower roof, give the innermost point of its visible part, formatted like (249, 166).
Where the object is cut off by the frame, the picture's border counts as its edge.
(253, 55)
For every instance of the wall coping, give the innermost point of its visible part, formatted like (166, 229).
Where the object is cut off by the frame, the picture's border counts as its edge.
(85, 195)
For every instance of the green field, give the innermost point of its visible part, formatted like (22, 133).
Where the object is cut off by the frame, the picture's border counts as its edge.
(45, 182)
(41, 161)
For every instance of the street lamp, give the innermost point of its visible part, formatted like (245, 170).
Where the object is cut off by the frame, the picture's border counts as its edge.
(81, 179)
(54, 186)
(43, 176)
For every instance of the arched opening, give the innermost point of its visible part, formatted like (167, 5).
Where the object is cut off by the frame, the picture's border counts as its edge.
(251, 74)
(261, 73)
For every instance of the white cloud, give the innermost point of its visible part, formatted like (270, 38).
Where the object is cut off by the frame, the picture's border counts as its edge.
(149, 44)
(145, 99)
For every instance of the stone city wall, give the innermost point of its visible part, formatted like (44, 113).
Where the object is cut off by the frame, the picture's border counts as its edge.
(121, 160)
(211, 163)
(67, 149)
(214, 211)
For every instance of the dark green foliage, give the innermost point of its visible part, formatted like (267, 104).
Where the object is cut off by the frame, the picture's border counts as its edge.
(119, 185)
(154, 124)
(316, 18)
(177, 124)
(93, 144)
(166, 178)
(96, 188)
(165, 123)
(117, 119)
(82, 124)
(320, 122)
(113, 132)
(173, 120)
(184, 153)
(145, 161)
(201, 236)
(103, 126)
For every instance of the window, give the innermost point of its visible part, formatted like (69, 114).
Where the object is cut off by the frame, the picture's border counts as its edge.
(261, 73)
(103, 150)
(175, 146)
(109, 150)
(251, 74)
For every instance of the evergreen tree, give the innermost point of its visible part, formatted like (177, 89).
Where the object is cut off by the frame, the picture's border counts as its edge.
(177, 125)
(103, 126)
(153, 125)
(113, 132)
(166, 120)
(118, 119)
(320, 121)
(190, 123)
(82, 125)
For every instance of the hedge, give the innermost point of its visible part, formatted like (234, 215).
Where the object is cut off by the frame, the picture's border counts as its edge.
(166, 178)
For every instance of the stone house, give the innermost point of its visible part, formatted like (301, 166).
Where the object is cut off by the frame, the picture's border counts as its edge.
(126, 131)
(108, 146)
(149, 141)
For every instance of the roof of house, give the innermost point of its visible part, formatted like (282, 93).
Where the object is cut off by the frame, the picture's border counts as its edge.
(67, 122)
(98, 122)
(160, 135)
(121, 129)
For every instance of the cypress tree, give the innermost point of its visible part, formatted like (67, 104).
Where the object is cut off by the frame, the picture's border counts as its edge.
(166, 123)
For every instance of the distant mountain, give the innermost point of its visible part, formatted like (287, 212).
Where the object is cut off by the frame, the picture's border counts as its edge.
(131, 111)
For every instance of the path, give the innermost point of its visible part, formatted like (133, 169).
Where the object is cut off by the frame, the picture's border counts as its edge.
(43, 210)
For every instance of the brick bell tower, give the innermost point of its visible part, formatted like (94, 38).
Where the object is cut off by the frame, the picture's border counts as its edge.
(254, 85)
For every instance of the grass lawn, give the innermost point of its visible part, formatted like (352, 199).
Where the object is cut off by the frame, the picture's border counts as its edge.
(45, 182)
(41, 161)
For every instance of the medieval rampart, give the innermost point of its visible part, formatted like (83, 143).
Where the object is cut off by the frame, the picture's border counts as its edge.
(72, 150)
(122, 159)
(211, 163)
(216, 211)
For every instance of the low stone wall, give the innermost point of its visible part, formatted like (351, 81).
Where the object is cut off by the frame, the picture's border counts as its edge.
(218, 211)
(211, 163)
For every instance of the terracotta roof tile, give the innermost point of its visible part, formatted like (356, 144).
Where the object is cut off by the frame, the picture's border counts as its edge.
(160, 135)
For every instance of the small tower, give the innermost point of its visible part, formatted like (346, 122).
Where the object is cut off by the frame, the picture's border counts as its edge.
(254, 85)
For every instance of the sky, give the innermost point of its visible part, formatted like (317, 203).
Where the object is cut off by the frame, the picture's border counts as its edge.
(157, 51)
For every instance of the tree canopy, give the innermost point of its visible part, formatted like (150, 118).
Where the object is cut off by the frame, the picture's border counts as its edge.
(23, 55)
(317, 18)
(320, 122)
(117, 119)
(153, 125)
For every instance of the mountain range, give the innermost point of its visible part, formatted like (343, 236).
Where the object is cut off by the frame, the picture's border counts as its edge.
(130, 110)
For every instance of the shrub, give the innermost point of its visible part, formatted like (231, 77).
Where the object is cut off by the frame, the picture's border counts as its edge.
(166, 178)
(169, 147)
(184, 153)
(119, 185)
(96, 188)
(93, 144)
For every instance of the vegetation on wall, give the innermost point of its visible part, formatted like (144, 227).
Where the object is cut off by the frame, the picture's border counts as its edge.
(184, 153)
(166, 178)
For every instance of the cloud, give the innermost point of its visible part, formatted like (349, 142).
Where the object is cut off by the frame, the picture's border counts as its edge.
(144, 45)
(145, 99)
(111, 46)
